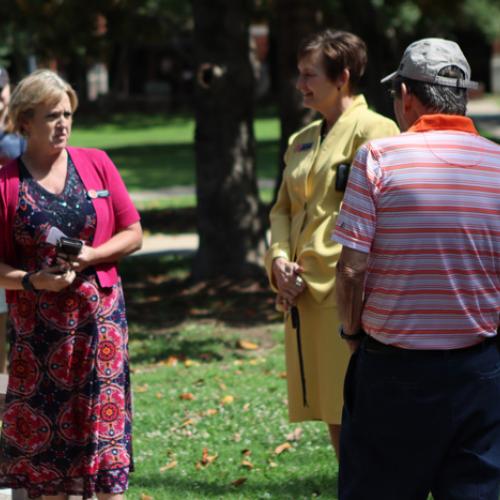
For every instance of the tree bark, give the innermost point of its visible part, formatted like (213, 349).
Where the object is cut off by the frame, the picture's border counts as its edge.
(293, 20)
(229, 215)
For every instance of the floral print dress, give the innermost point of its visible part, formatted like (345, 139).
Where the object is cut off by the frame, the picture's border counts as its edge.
(67, 423)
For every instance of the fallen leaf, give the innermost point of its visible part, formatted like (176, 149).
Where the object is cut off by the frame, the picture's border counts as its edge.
(172, 361)
(210, 412)
(206, 459)
(187, 422)
(246, 452)
(239, 481)
(186, 396)
(247, 464)
(282, 375)
(146, 497)
(295, 435)
(273, 464)
(141, 388)
(281, 448)
(238, 362)
(247, 345)
(170, 465)
(159, 395)
(223, 386)
(190, 362)
(246, 406)
(237, 437)
(227, 400)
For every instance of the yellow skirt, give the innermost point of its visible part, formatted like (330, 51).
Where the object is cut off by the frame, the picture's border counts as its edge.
(315, 392)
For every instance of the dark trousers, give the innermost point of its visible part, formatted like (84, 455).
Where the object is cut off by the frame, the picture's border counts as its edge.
(416, 422)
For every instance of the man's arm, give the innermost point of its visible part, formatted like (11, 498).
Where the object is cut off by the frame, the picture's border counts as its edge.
(351, 270)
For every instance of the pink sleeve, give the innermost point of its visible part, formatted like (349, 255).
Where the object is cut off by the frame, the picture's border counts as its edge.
(123, 207)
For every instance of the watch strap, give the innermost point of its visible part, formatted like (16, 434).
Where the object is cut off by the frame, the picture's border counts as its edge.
(355, 336)
(26, 282)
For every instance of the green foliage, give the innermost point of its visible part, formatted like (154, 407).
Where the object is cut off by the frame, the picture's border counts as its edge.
(418, 18)
(63, 30)
(485, 14)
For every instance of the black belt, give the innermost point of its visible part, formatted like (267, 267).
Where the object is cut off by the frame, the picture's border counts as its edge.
(371, 344)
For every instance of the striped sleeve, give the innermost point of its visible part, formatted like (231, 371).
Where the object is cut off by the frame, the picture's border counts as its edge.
(355, 227)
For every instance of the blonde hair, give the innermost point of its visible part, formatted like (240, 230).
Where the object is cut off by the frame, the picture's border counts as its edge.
(41, 86)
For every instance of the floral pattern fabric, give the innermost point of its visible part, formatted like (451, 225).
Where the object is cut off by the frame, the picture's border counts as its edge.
(67, 423)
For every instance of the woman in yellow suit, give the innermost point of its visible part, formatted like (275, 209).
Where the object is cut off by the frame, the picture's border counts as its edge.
(301, 260)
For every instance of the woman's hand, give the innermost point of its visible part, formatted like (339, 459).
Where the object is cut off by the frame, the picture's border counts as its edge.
(52, 279)
(287, 278)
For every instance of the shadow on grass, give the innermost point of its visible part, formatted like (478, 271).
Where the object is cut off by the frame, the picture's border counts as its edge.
(149, 349)
(323, 486)
(169, 220)
(161, 296)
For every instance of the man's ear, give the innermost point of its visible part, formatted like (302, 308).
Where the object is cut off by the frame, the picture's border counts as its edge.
(406, 97)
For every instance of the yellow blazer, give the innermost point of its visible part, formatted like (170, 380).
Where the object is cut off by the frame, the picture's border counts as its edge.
(308, 204)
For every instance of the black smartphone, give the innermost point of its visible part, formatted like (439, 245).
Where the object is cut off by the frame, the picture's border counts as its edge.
(342, 176)
(69, 246)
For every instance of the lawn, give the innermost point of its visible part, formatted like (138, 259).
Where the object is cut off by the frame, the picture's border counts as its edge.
(210, 394)
(155, 151)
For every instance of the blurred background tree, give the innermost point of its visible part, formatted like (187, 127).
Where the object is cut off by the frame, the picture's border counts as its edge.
(148, 55)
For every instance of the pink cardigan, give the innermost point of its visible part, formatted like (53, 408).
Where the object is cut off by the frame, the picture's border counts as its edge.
(113, 213)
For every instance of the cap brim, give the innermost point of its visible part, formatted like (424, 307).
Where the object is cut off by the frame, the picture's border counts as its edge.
(388, 78)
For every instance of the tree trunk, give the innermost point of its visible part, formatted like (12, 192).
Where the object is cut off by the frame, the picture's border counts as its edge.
(229, 216)
(293, 20)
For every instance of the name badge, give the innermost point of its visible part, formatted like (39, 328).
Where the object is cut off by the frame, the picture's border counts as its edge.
(303, 147)
(101, 193)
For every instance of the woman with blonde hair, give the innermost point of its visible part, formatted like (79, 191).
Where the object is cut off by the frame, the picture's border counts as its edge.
(65, 220)
(302, 258)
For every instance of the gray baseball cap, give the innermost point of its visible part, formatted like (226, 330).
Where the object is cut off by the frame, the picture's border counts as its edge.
(424, 59)
(4, 77)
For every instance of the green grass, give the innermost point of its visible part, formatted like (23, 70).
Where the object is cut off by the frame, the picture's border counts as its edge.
(185, 338)
(169, 429)
(154, 151)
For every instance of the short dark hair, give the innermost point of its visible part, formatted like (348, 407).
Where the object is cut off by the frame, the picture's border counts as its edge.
(339, 50)
(437, 98)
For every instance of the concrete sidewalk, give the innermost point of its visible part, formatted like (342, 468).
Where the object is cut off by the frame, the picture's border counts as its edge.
(180, 244)
(486, 115)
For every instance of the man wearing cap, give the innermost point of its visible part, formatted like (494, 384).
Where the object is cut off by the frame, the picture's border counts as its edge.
(418, 287)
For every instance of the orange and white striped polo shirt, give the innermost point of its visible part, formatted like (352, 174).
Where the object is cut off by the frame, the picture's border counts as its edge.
(426, 206)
